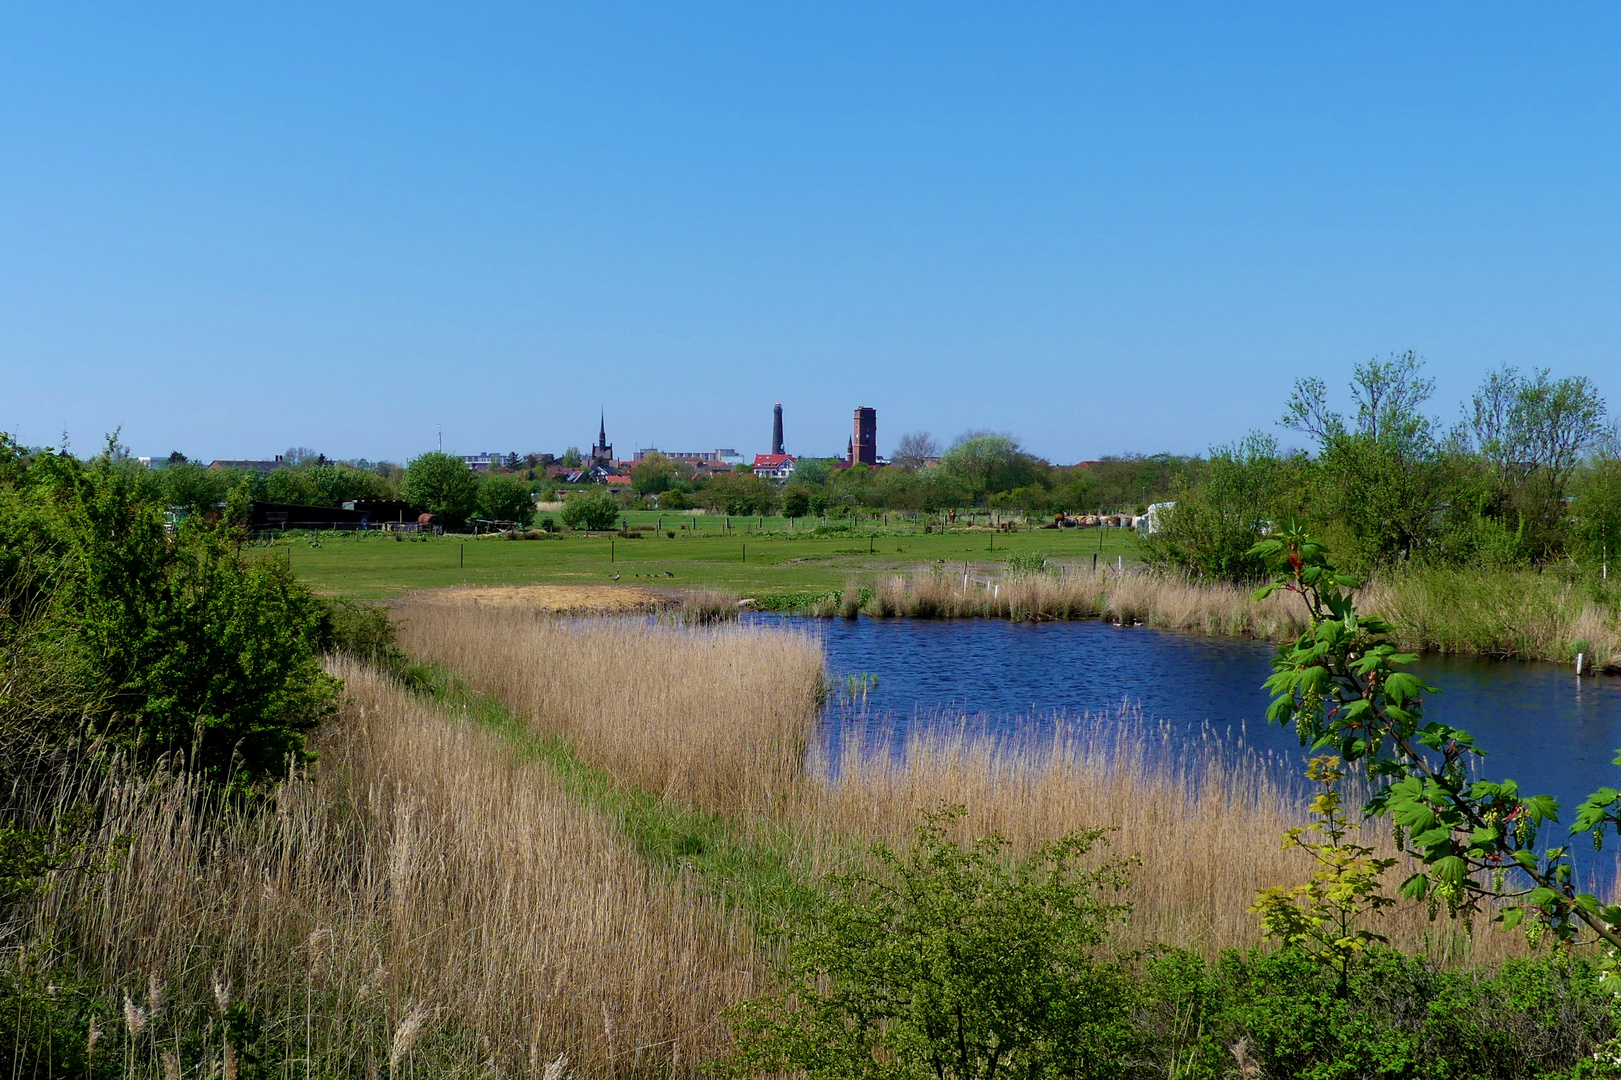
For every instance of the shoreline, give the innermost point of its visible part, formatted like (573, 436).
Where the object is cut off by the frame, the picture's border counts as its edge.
(1503, 615)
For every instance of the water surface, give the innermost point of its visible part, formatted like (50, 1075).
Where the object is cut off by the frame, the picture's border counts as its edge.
(1554, 733)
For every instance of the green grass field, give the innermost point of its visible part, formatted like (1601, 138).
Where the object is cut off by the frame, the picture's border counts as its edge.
(742, 558)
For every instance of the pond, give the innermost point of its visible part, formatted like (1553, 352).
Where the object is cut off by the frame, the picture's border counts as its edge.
(1541, 725)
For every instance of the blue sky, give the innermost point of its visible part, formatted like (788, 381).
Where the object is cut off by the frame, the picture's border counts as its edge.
(1103, 228)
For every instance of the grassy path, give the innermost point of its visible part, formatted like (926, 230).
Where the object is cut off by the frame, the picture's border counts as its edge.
(755, 866)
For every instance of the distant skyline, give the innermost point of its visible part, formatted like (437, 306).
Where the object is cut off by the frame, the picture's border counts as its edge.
(1103, 229)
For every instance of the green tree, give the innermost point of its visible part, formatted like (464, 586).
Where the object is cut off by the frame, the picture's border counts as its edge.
(592, 510)
(951, 963)
(1378, 487)
(335, 483)
(291, 485)
(443, 485)
(652, 475)
(1596, 513)
(193, 488)
(505, 498)
(813, 470)
(1219, 513)
(739, 493)
(795, 501)
(985, 462)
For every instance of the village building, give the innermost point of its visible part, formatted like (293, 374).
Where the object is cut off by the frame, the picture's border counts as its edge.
(774, 466)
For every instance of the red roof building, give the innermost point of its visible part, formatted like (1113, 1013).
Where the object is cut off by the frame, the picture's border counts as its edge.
(773, 466)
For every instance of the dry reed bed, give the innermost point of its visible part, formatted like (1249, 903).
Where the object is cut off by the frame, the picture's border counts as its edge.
(421, 897)
(1205, 824)
(1522, 615)
(1170, 603)
(717, 717)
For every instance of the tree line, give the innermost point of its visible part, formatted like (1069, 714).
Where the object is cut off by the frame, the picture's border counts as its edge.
(1528, 476)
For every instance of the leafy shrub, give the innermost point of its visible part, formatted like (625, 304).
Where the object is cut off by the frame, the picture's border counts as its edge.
(951, 962)
(147, 643)
(1283, 1014)
(505, 498)
(595, 510)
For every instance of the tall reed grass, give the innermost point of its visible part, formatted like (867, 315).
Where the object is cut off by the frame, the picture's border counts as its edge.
(1519, 614)
(714, 716)
(1166, 602)
(419, 904)
(1203, 817)
(1205, 820)
(1515, 614)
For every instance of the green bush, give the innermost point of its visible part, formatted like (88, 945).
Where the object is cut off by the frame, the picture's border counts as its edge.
(1402, 1016)
(505, 498)
(594, 510)
(117, 633)
(951, 962)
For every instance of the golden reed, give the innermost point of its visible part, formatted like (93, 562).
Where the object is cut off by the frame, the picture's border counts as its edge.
(419, 896)
(1204, 821)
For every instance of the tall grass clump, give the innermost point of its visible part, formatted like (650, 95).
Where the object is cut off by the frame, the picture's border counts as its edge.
(1205, 819)
(417, 904)
(1167, 602)
(716, 716)
(1202, 818)
(1508, 613)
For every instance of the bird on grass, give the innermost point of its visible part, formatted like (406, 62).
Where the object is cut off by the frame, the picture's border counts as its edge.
(616, 577)
(668, 574)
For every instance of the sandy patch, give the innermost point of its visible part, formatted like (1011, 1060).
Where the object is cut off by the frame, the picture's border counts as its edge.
(551, 599)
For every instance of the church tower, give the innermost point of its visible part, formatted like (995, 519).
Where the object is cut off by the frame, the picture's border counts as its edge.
(603, 452)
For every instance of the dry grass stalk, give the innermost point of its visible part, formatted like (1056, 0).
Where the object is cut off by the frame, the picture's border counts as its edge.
(717, 717)
(461, 907)
(1206, 824)
(1169, 603)
(1508, 613)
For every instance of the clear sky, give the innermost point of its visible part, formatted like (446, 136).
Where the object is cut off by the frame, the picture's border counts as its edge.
(1101, 227)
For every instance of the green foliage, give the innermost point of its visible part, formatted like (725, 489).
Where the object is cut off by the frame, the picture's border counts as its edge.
(505, 498)
(1342, 686)
(443, 485)
(593, 510)
(1596, 515)
(652, 475)
(1025, 563)
(814, 470)
(795, 501)
(739, 494)
(120, 634)
(1217, 518)
(1322, 915)
(985, 462)
(950, 962)
(1283, 1014)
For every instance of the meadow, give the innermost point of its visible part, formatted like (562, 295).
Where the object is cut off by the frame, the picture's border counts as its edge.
(745, 556)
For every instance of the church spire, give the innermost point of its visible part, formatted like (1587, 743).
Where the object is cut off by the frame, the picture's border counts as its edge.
(602, 429)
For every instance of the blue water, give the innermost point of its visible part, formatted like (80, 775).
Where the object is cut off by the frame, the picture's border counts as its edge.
(1554, 733)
